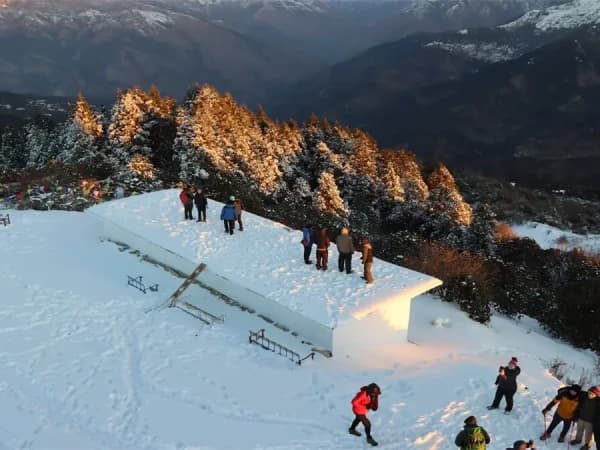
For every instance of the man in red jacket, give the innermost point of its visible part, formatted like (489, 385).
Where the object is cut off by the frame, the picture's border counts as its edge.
(187, 200)
(367, 398)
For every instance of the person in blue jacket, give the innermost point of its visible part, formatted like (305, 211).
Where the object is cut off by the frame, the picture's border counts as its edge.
(229, 215)
(307, 241)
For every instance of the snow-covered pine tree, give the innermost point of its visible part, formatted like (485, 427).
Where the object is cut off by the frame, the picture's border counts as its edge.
(40, 143)
(445, 198)
(12, 147)
(327, 197)
(393, 184)
(81, 137)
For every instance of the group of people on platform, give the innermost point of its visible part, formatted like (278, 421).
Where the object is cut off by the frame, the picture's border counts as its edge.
(230, 213)
(345, 247)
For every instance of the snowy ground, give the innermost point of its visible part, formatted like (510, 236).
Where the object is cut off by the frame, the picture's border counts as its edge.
(550, 237)
(82, 366)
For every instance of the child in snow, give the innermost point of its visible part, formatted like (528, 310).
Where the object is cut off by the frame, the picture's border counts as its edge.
(588, 404)
(507, 385)
(472, 437)
(522, 445)
(187, 200)
(367, 398)
(307, 241)
(228, 215)
(567, 399)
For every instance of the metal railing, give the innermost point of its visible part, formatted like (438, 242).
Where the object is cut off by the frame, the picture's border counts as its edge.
(137, 283)
(5, 219)
(259, 338)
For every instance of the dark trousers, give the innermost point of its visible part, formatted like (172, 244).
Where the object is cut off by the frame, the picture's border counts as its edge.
(307, 250)
(555, 421)
(322, 259)
(239, 221)
(187, 210)
(201, 213)
(504, 393)
(362, 419)
(229, 226)
(345, 259)
(597, 434)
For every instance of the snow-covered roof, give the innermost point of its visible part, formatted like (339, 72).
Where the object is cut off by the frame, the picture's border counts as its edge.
(265, 258)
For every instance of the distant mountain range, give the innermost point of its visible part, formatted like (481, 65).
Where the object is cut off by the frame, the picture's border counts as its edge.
(517, 100)
(248, 47)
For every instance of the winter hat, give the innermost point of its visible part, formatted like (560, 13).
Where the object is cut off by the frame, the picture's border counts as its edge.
(232, 197)
(595, 390)
(514, 360)
(517, 445)
(371, 388)
(471, 420)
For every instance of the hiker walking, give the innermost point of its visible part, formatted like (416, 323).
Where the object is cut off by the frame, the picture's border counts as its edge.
(588, 405)
(567, 400)
(367, 398)
(186, 199)
(238, 211)
(322, 242)
(507, 385)
(228, 215)
(367, 260)
(307, 241)
(201, 204)
(473, 436)
(345, 248)
(522, 445)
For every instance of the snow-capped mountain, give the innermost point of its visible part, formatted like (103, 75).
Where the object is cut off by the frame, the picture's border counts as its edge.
(574, 14)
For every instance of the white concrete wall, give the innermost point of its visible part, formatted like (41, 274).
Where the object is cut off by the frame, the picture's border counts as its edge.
(318, 334)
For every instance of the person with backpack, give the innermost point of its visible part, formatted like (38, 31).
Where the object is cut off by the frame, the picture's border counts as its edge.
(186, 198)
(345, 248)
(588, 404)
(228, 215)
(522, 445)
(473, 436)
(567, 399)
(201, 204)
(307, 242)
(507, 385)
(322, 242)
(367, 398)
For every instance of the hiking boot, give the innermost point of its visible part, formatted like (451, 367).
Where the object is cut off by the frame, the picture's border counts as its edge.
(372, 441)
(575, 442)
(585, 447)
(544, 436)
(354, 432)
(507, 412)
(492, 407)
(561, 438)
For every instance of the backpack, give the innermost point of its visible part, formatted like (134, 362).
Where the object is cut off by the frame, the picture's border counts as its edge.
(475, 439)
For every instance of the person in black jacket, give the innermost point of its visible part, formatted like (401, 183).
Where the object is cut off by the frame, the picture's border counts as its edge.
(588, 402)
(507, 385)
(201, 204)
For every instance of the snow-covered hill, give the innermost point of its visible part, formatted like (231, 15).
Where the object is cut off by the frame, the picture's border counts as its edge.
(574, 14)
(84, 366)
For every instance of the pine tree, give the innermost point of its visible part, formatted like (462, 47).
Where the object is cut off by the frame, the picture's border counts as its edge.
(445, 198)
(40, 144)
(327, 197)
(393, 184)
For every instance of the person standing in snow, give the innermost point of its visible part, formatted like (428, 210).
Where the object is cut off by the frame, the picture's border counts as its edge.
(322, 242)
(345, 248)
(367, 398)
(596, 423)
(228, 215)
(507, 385)
(367, 260)
(187, 201)
(472, 437)
(307, 241)
(588, 404)
(567, 399)
(201, 204)
(522, 445)
(238, 211)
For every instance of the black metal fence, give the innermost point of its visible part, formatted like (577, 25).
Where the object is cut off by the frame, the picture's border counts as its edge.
(138, 283)
(259, 338)
(5, 219)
